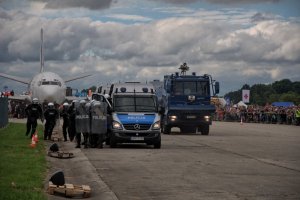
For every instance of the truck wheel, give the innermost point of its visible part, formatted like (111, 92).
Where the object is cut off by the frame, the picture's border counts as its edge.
(166, 129)
(107, 138)
(205, 130)
(107, 141)
(113, 142)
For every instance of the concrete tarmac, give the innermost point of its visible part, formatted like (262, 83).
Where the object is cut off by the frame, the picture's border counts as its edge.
(234, 162)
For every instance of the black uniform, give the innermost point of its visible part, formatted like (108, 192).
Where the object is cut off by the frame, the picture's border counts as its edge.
(65, 115)
(51, 114)
(72, 126)
(33, 112)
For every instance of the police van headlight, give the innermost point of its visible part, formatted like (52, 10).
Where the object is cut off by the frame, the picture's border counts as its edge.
(116, 125)
(156, 125)
(173, 118)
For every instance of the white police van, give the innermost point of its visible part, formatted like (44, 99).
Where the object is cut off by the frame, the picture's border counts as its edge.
(133, 113)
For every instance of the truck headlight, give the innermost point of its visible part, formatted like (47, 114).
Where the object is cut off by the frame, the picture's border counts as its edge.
(156, 125)
(207, 118)
(173, 118)
(116, 125)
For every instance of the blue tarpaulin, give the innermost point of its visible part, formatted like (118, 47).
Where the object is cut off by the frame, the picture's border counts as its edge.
(283, 104)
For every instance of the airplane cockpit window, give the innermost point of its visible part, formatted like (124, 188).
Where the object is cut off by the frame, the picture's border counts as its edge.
(51, 83)
(46, 83)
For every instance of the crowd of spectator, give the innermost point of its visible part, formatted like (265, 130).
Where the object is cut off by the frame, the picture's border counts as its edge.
(17, 109)
(253, 113)
(258, 114)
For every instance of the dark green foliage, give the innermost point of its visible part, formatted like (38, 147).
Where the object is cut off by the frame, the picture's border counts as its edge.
(260, 94)
(282, 86)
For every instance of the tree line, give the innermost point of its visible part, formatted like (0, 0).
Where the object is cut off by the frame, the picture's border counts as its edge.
(262, 94)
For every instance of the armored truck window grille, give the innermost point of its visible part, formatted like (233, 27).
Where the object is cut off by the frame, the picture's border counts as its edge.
(189, 87)
(134, 104)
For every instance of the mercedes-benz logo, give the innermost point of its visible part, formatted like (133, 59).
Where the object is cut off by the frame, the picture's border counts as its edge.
(191, 98)
(136, 127)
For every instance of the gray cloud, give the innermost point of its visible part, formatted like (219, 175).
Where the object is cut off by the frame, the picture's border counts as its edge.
(263, 17)
(266, 51)
(89, 4)
(219, 1)
(240, 1)
(62, 4)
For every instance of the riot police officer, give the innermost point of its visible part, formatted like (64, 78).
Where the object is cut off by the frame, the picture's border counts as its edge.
(72, 116)
(51, 114)
(98, 115)
(65, 115)
(82, 123)
(33, 112)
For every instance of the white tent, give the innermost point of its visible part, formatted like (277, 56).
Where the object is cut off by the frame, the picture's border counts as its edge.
(241, 104)
(222, 102)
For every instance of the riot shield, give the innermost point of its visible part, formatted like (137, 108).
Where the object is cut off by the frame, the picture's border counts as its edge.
(98, 117)
(82, 120)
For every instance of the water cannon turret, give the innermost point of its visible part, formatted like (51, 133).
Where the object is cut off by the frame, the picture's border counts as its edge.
(184, 68)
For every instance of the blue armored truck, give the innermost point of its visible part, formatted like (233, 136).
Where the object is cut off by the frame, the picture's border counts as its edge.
(186, 102)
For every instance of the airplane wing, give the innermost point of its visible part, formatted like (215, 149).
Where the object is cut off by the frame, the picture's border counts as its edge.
(77, 77)
(15, 78)
(20, 97)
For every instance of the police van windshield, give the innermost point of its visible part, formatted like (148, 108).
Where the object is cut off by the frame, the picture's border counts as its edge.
(191, 87)
(135, 103)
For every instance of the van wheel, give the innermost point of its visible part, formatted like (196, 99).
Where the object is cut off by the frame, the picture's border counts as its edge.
(157, 145)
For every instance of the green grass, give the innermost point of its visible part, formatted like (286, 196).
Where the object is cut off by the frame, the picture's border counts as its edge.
(22, 168)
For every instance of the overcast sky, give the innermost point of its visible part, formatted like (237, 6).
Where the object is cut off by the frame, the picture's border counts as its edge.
(236, 41)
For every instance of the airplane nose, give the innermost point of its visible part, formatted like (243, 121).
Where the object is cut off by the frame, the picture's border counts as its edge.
(51, 93)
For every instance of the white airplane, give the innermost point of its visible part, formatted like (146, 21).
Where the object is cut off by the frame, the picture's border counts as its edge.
(46, 86)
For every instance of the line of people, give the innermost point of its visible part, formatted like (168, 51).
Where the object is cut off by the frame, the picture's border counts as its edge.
(34, 112)
(79, 118)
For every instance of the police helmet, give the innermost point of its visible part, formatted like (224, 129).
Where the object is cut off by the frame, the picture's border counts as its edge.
(87, 105)
(65, 104)
(97, 104)
(106, 96)
(50, 105)
(35, 100)
(82, 102)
